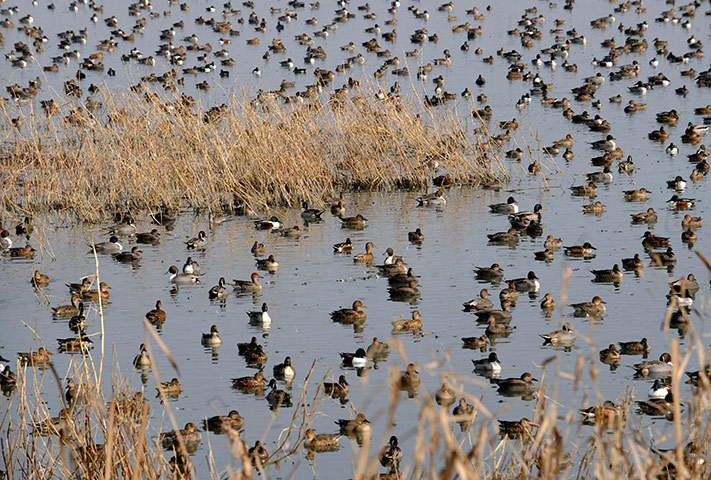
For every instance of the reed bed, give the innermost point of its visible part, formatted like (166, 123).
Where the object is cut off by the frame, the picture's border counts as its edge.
(145, 149)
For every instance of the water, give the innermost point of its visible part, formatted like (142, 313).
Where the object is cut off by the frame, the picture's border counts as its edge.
(312, 281)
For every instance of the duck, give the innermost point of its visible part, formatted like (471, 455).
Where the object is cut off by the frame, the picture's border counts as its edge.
(691, 222)
(640, 194)
(494, 272)
(604, 177)
(126, 257)
(490, 364)
(182, 278)
(445, 396)
(67, 310)
(650, 240)
(142, 360)
(272, 223)
(563, 336)
(311, 214)
(501, 316)
(324, 442)
(343, 247)
(635, 347)
(191, 266)
(672, 150)
(688, 236)
(528, 284)
(416, 237)
(249, 383)
(688, 285)
(585, 250)
(260, 317)
(522, 385)
(82, 343)
(78, 321)
(8, 379)
(505, 208)
(244, 347)
(377, 349)
(357, 359)
(589, 190)
(663, 258)
(338, 209)
(257, 248)
(409, 378)
(509, 237)
(566, 142)
(27, 251)
(284, 370)
(608, 275)
(650, 216)
(476, 342)
(189, 434)
(634, 263)
(256, 356)
(604, 414)
(516, 429)
(152, 237)
(658, 390)
(270, 264)
(436, 199)
(657, 406)
(258, 453)
(606, 145)
(166, 217)
(594, 308)
(596, 208)
(626, 166)
(610, 354)
(336, 389)
(358, 426)
(677, 184)
(367, 256)
(198, 242)
(548, 303)
(412, 324)
(391, 454)
(690, 136)
(219, 290)
(248, 285)
(276, 396)
(663, 366)
(211, 339)
(5, 240)
(171, 388)
(112, 246)
(94, 295)
(350, 315)
(354, 222)
(24, 228)
(481, 302)
(405, 292)
(222, 423)
(680, 203)
(660, 135)
(527, 216)
(39, 280)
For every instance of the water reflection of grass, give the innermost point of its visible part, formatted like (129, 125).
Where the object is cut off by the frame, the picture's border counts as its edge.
(143, 149)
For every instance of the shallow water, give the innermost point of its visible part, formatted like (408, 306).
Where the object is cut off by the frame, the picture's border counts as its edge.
(312, 281)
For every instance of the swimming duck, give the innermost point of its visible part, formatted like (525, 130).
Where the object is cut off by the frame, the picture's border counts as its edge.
(391, 454)
(501, 316)
(476, 342)
(367, 256)
(82, 343)
(8, 379)
(25, 228)
(635, 348)
(408, 379)
(171, 388)
(350, 315)
(416, 237)
(634, 263)
(343, 247)
(249, 383)
(5, 240)
(563, 336)
(650, 240)
(589, 190)
(606, 145)
(528, 284)
(544, 255)
(284, 370)
(377, 349)
(211, 339)
(445, 396)
(435, 199)
(516, 154)
(663, 366)
(608, 275)
(412, 324)
(27, 251)
(610, 354)
(157, 315)
(269, 264)
(272, 223)
(681, 203)
(663, 258)
(658, 390)
(505, 208)
(257, 248)
(260, 317)
(222, 423)
(191, 267)
(688, 236)
(142, 360)
(182, 278)
(336, 389)
(493, 273)
(640, 194)
(481, 302)
(524, 217)
(251, 346)
(516, 429)
(189, 434)
(338, 209)
(78, 321)
(626, 166)
(522, 385)
(596, 208)
(197, 242)
(547, 304)
(112, 246)
(594, 308)
(152, 237)
(677, 184)
(688, 285)
(311, 214)
(566, 142)
(277, 397)
(405, 293)
(358, 426)
(258, 453)
(489, 364)
(166, 217)
(660, 135)
(324, 442)
(690, 136)
(67, 310)
(219, 290)
(126, 257)
(256, 356)
(657, 406)
(39, 279)
(604, 177)
(94, 295)
(650, 216)
(357, 359)
(691, 222)
(510, 237)
(672, 150)
(606, 414)
(248, 285)
(700, 129)
(354, 222)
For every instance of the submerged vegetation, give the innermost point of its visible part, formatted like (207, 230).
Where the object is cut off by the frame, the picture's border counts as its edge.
(131, 150)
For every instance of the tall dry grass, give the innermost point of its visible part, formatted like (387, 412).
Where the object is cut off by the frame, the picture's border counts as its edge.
(143, 149)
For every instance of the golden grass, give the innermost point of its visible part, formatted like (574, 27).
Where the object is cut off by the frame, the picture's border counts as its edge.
(146, 150)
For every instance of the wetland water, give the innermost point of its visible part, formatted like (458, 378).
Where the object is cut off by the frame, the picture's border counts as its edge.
(312, 281)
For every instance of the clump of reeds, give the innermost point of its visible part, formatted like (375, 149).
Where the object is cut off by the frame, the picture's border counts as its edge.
(144, 150)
